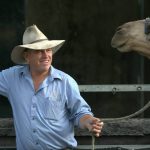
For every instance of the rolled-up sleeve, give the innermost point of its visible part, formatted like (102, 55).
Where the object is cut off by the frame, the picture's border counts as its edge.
(76, 105)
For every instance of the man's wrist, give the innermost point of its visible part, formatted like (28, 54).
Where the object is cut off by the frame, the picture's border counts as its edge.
(85, 121)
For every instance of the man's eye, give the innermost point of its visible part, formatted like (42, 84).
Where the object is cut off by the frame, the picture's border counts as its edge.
(48, 50)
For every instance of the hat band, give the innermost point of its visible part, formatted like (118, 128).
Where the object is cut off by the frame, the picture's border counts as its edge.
(38, 41)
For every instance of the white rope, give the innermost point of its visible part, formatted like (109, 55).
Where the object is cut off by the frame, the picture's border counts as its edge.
(93, 142)
(121, 118)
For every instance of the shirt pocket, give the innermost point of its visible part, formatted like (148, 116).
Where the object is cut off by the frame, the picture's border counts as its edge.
(53, 108)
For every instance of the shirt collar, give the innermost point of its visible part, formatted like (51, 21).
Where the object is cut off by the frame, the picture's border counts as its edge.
(24, 70)
(54, 73)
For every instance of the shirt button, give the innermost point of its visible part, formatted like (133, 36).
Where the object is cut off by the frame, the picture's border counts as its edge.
(36, 143)
(33, 106)
(34, 131)
(33, 118)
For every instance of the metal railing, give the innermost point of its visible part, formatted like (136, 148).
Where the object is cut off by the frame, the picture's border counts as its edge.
(115, 88)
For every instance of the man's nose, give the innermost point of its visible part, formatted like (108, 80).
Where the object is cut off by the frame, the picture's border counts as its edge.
(44, 52)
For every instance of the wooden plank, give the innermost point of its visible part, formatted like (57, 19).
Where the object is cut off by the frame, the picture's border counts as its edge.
(130, 127)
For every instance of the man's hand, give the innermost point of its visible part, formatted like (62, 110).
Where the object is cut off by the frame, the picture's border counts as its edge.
(91, 123)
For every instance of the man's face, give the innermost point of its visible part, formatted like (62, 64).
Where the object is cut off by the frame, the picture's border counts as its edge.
(39, 60)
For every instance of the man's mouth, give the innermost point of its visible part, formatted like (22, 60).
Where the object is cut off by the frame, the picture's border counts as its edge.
(44, 61)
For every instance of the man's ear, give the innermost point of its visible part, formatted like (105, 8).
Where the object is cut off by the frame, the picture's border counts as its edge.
(25, 55)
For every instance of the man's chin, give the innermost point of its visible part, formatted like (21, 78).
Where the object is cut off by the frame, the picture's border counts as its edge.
(44, 68)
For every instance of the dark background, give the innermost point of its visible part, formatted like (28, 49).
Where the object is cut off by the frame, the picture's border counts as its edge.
(88, 27)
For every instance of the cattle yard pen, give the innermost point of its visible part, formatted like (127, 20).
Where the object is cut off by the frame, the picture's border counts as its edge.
(125, 134)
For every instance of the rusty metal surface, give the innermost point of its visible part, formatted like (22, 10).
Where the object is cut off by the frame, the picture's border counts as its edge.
(6, 127)
(129, 127)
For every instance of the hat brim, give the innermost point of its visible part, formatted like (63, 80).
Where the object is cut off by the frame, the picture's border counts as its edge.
(17, 53)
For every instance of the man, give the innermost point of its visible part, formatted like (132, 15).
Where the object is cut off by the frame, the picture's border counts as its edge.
(46, 102)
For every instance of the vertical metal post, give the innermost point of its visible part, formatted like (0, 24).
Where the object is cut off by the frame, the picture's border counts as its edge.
(141, 74)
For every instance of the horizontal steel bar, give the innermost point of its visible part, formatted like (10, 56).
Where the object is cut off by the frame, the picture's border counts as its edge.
(115, 88)
(129, 147)
(89, 147)
(8, 147)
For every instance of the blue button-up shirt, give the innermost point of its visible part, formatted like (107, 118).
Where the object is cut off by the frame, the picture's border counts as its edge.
(43, 119)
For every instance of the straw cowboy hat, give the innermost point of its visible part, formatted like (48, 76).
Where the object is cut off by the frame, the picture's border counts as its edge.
(34, 39)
